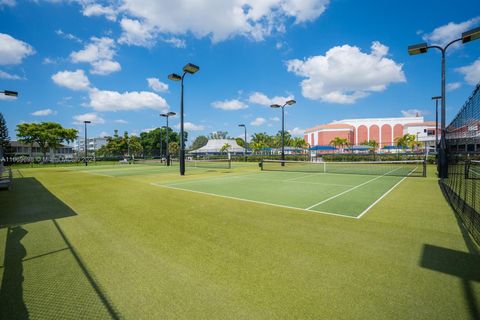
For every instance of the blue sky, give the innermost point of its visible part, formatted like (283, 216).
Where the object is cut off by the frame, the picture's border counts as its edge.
(108, 61)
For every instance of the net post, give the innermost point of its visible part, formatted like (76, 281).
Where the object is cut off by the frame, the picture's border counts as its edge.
(424, 174)
(260, 164)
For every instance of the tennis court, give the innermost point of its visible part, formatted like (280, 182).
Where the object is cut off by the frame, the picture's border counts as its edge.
(350, 190)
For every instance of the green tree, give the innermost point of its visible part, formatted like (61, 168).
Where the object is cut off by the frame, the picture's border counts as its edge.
(4, 138)
(173, 148)
(240, 142)
(338, 142)
(199, 142)
(219, 135)
(407, 141)
(299, 142)
(372, 143)
(225, 148)
(46, 134)
(135, 146)
(262, 139)
(277, 140)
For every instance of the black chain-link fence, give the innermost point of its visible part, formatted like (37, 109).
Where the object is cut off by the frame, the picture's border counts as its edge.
(462, 187)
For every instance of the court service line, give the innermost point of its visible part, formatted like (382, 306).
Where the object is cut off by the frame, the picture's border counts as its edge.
(348, 190)
(203, 179)
(379, 199)
(252, 201)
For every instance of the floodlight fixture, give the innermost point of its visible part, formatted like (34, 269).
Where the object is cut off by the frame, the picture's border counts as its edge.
(174, 77)
(471, 35)
(275, 106)
(417, 48)
(191, 68)
(290, 102)
(10, 93)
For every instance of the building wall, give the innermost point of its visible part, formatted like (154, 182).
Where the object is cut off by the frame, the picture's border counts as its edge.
(383, 130)
(324, 137)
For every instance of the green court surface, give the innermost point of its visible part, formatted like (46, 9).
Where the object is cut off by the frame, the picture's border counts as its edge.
(141, 242)
(338, 194)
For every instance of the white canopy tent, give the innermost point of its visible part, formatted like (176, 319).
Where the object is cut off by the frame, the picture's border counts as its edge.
(215, 145)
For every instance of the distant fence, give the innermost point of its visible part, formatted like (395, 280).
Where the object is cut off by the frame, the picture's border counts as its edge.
(462, 187)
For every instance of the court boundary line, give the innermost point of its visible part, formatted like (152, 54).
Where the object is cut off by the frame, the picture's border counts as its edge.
(384, 195)
(348, 190)
(379, 199)
(252, 201)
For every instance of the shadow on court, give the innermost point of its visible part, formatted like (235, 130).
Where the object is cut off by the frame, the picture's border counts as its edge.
(30, 203)
(464, 265)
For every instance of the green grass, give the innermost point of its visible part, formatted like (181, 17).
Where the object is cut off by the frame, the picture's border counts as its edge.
(105, 242)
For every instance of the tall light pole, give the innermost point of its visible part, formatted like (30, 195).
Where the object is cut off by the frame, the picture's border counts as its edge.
(423, 48)
(287, 103)
(244, 148)
(86, 152)
(436, 98)
(191, 69)
(167, 115)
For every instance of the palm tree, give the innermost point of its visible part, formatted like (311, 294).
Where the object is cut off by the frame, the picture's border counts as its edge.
(407, 141)
(338, 142)
(225, 148)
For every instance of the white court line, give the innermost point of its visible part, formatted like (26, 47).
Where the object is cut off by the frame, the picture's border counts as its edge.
(385, 194)
(348, 190)
(203, 179)
(252, 201)
(306, 182)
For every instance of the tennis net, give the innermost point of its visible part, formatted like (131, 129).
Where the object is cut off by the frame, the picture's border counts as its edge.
(416, 168)
(210, 163)
(153, 162)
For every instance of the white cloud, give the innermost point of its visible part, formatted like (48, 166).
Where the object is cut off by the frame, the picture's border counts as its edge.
(43, 112)
(49, 60)
(176, 42)
(93, 117)
(258, 121)
(13, 51)
(296, 131)
(7, 98)
(453, 86)
(345, 74)
(234, 104)
(68, 36)
(262, 99)
(8, 76)
(75, 80)
(276, 119)
(104, 134)
(120, 121)
(103, 100)
(471, 72)
(7, 3)
(451, 31)
(148, 129)
(99, 53)
(136, 33)
(412, 113)
(157, 85)
(219, 20)
(99, 10)
(190, 126)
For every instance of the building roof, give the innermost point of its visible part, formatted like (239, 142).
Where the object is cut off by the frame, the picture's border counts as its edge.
(215, 145)
(330, 126)
(15, 143)
(421, 124)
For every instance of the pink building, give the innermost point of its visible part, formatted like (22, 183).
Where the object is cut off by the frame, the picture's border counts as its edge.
(383, 130)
